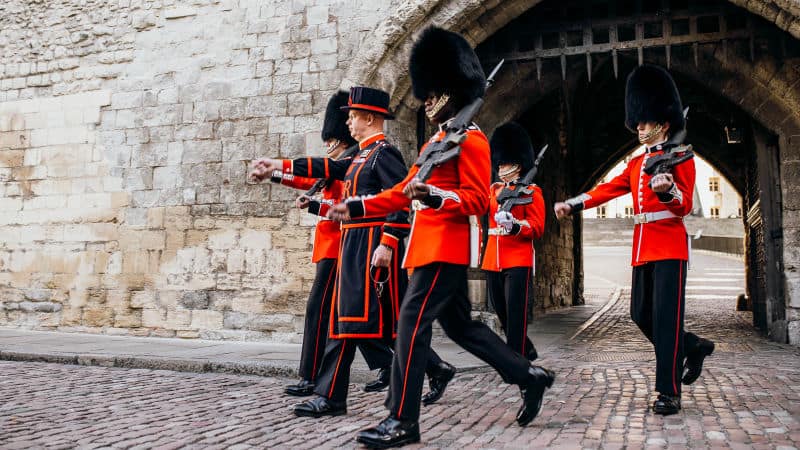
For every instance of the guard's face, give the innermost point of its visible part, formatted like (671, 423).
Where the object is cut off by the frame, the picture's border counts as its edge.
(359, 122)
(651, 132)
(438, 107)
(335, 147)
(508, 172)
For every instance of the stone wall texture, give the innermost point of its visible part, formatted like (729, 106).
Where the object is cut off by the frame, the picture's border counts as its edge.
(126, 127)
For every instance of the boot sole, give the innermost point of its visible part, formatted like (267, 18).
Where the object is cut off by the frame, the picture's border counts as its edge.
(380, 444)
(319, 415)
(702, 360)
(298, 393)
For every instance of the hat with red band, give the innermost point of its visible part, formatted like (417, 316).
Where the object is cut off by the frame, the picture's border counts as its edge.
(367, 99)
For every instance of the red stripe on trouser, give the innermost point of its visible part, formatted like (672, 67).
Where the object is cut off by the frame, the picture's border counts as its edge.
(336, 372)
(677, 327)
(319, 323)
(413, 337)
(525, 314)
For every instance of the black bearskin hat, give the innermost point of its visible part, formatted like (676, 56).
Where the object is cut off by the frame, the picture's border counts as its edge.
(334, 126)
(651, 96)
(444, 62)
(511, 144)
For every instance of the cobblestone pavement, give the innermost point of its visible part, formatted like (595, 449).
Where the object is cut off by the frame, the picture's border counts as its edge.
(748, 397)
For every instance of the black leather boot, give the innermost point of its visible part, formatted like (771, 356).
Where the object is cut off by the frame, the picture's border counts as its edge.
(667, 404)
(378, 384)
(694, 360)
(438, 383)
(532, 391)
(320, 407)
(302, 389)
(391, 432)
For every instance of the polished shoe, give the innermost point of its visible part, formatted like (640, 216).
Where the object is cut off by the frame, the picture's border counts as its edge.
(532, 392)
(438, 383)
(302, 389)
(391, 432)
(532, 354)
(378, 384)
(319, 407)
(667, 404)
(694, 360)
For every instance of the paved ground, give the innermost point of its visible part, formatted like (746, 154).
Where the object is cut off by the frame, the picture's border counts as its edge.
(749, 396)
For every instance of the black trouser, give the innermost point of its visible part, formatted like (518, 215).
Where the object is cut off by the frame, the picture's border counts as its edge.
(509, 292)
(315, 334)
(334, 375)
(439, 291)
(658, 298)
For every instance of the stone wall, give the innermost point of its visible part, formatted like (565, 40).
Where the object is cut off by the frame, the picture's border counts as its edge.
(125, 131)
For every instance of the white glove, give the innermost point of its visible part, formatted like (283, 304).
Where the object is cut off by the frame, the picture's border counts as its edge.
(504, 220)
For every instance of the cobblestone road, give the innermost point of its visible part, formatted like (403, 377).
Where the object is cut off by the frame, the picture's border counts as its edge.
(749, 397)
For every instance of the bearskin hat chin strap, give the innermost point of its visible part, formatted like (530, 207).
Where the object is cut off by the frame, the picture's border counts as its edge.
(654, 132)
(506, 174)
(443, 99)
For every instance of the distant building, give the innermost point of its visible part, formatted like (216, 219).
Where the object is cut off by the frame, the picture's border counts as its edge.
(714, 196)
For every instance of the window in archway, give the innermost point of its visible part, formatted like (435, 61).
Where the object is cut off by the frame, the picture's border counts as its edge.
(713, 184)
(715, 212)
(629, 212)
(601, 212)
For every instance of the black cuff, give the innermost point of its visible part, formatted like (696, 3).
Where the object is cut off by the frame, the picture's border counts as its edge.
(314, 206)
(355, 208)
(665, 197)
(276, 177)
(515, 229)
(432, 201)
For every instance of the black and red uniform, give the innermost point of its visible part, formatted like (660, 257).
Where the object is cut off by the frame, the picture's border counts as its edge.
(439, 252)
(659, 259)
(325, 255)
(357, 313)
(508, 263)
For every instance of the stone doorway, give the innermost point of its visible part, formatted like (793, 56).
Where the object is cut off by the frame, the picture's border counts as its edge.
(735, 69)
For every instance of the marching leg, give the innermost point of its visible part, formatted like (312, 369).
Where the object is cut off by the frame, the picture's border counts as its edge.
(332, 381)
(669, 280)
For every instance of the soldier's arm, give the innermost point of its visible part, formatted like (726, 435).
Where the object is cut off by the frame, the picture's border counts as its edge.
(317, 167)
(391, 169)
(474, 173)
(619, 185)
(679, 198)
(531, 224)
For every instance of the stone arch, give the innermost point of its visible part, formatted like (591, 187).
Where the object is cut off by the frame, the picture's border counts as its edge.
(765, 89)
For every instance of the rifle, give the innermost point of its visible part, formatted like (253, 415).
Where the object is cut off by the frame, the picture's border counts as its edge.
(665, 162)
(319, 184)
(437, 153)
(508, 198)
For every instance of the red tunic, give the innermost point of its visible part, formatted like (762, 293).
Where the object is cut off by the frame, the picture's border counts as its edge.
(660, 239)
(328, 232)
(504, 251)
(443, 234)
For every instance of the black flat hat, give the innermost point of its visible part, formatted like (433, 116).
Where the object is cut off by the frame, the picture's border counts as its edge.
(363, 98)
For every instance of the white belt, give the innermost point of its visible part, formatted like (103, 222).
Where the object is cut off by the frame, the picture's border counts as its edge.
(642, 218)
(499, 231)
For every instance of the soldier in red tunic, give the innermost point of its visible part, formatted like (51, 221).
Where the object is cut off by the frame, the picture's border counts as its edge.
(325, 255)
(654, 111)
(508, 260)
(360, 315)
(446, 73)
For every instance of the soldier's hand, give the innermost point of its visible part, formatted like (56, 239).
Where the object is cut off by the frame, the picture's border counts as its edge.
(661, 182)
(339, 212)
(416, 190)
(382, 256)
(562, 210)
(263, 167)
(302, 202)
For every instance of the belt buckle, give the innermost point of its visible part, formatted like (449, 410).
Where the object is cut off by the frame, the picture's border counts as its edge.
(640, 218)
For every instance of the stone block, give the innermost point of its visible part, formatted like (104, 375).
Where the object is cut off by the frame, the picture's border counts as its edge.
(207, 320)
(194, 300)
(202, 151)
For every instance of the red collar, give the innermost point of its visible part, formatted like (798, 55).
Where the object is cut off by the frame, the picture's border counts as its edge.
(371, 140)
